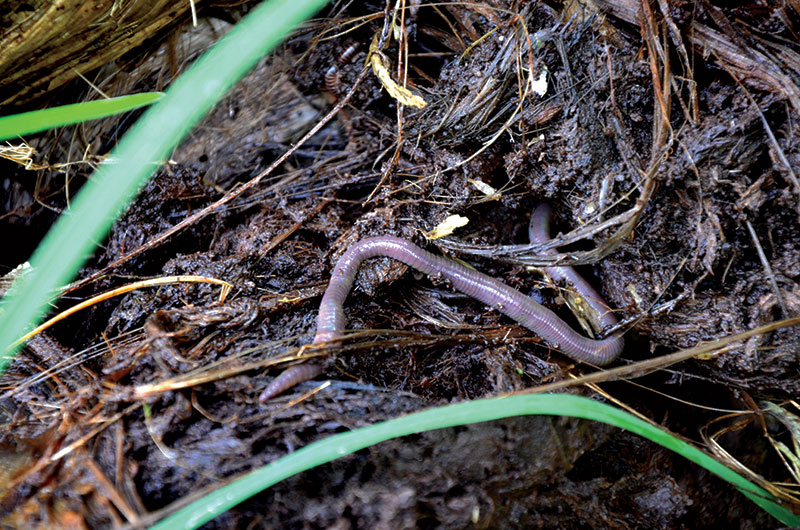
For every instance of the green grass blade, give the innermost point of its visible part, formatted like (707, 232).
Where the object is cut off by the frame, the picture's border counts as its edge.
(339, 445)
(139, 153)
(41, 120)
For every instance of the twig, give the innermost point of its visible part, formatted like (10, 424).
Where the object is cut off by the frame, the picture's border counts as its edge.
(768, 270)
(280, 238)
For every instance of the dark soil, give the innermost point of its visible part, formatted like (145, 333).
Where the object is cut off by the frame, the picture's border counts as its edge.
(694, 169)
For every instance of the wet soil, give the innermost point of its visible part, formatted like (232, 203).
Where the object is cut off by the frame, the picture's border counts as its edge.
(715, 188)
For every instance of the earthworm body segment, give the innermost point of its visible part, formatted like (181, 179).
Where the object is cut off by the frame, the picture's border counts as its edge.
(539, 232)
(331, 318)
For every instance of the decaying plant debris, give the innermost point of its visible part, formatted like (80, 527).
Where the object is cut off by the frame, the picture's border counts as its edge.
(663, 135)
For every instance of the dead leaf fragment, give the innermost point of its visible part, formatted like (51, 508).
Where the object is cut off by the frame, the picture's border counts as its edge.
(446, 227)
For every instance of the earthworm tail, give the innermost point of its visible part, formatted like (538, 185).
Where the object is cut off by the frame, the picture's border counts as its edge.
(289, 378)
(539, 232)
(331, 318)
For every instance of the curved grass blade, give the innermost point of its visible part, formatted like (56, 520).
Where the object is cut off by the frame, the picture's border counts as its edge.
(339, 445)
(139, 153)
(41, 120)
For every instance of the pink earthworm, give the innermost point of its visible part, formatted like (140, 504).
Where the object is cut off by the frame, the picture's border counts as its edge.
(331, 318)
(539, 232)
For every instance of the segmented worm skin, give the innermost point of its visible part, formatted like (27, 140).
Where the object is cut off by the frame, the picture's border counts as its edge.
(539, 232)
(289, 378)
(331, 318)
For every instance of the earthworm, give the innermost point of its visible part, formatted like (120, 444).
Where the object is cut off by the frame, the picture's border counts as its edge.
(331, 318)
(289, 378)
(539, 232)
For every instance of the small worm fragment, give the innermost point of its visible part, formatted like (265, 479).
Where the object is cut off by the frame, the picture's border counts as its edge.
(494, 293)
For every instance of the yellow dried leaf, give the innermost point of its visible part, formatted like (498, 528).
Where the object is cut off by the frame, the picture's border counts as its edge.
(400, 93)
(446, 227)
(483, 187)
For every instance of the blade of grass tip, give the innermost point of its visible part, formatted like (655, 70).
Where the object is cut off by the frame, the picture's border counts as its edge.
(41, 120)
(323, 451)
(138, 155)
